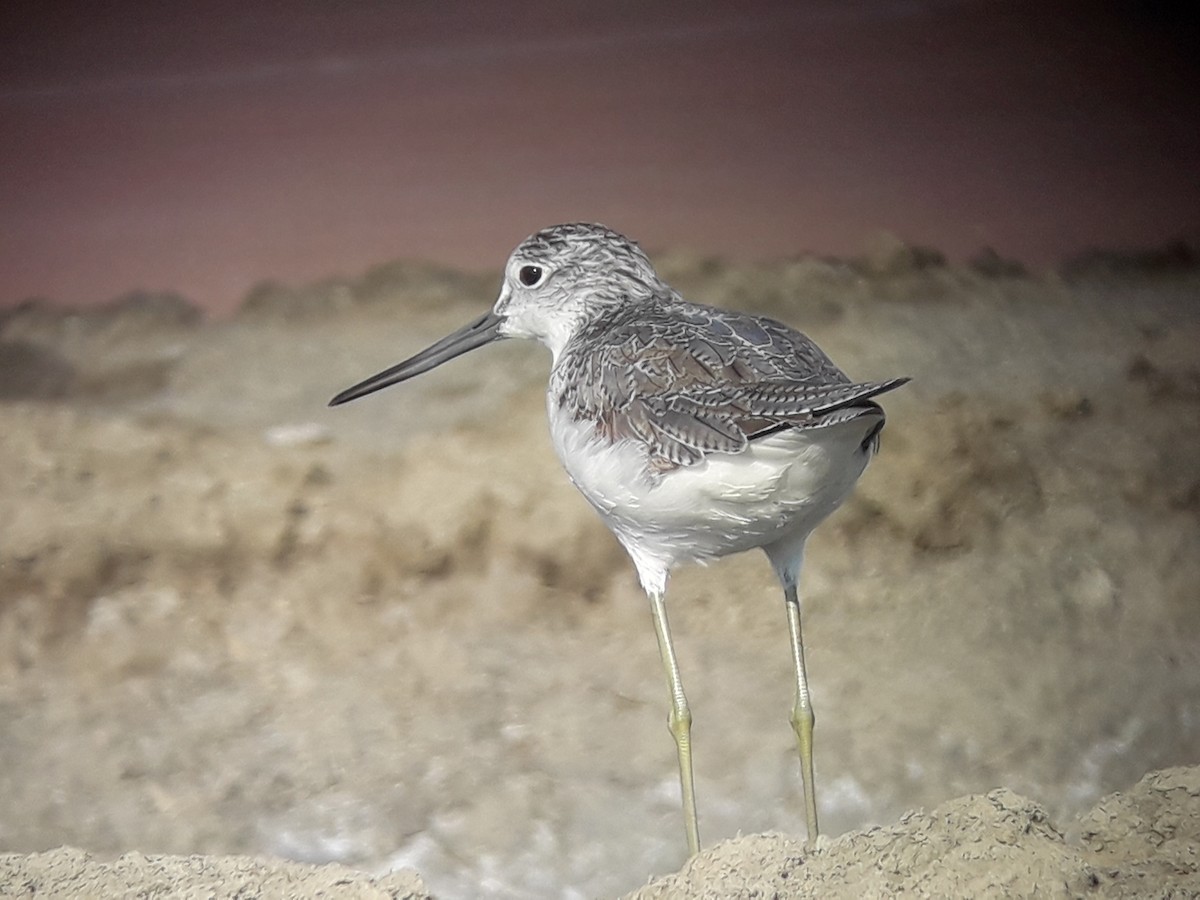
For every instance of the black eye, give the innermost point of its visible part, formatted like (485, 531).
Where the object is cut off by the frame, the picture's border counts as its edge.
(530, 275)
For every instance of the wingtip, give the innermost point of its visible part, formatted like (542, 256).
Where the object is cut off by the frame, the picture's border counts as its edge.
(884, 387)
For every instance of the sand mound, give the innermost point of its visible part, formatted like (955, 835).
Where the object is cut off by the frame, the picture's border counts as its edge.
(1140, 843)
(1145, 842)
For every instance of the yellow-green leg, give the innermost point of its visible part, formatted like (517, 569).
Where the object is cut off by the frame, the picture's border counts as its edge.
(802, 713)
(680, 721)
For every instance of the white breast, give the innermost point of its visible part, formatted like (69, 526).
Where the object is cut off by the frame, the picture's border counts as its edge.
(780, 486)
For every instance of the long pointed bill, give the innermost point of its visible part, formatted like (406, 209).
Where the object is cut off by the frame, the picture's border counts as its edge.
(482, 331)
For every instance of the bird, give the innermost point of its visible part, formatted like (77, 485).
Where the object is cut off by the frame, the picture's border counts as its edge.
(695, 432)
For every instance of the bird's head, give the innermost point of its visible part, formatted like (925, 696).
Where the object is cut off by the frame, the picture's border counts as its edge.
(555, 282)
(560, 278)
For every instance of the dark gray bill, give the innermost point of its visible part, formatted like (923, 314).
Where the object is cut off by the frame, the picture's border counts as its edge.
(482, 331)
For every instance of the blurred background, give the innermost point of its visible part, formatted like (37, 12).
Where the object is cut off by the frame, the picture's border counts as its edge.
(201, 149)
(392, 634)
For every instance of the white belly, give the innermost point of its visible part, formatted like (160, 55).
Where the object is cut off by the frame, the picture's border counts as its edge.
(779, 488)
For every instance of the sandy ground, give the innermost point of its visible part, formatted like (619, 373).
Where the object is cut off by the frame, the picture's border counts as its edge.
(1142, 843)
(233, 622)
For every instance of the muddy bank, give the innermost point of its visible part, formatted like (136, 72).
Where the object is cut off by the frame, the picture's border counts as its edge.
(235, 622)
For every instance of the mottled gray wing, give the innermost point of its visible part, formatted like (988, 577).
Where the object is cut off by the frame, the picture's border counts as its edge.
(690, 380)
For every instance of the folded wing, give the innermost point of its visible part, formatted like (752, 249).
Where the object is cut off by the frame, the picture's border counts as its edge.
(690, 380)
